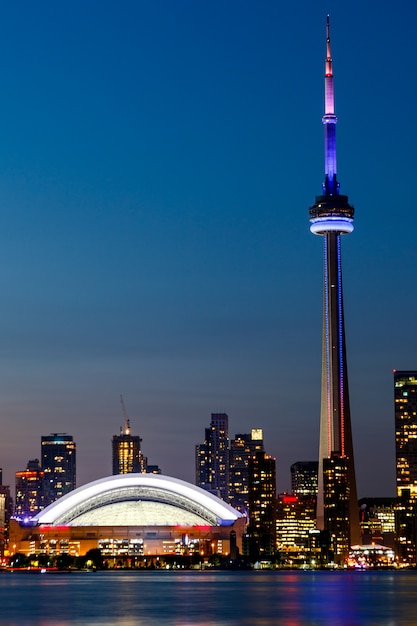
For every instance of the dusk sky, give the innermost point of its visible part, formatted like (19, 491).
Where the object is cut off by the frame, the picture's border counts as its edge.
(157, 163)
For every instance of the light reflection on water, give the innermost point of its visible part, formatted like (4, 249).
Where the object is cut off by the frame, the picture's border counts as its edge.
(209, 598)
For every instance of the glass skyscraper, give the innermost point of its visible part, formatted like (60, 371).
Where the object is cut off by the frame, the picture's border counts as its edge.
(58, 465)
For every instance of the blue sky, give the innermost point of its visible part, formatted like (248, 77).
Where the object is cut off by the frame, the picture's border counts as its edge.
(157, 163)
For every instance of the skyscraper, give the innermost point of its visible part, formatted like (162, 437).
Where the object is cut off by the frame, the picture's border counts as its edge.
(262, 505)
(332, 216)
(405, 397)
(58, 465)
(212, 457)
(242, 448)
(30, 485)
(127, 457)
(304, 478)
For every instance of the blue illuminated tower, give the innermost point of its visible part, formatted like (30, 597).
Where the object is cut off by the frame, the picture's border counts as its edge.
(332, 216)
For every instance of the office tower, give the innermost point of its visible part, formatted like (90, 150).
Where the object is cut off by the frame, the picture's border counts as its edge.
(262, 505)
(405, 397)
(202, 462)
(377, 521)
(242, 448)
(127, 457)
(304, 478)
(30, 490)
(405, 408)
(212, 457)
(296, 517)
(58, 465)
(331, 217)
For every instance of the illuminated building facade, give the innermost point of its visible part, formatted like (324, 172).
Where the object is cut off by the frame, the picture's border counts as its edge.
(132, 516)
(405, 398)
(30, 486)
(371, 557)
(212, 457)
(126, 453)
(304, 478)
(336, 504)
(405, 409)
(331, 216)
(242, 448)
(58, 465)
(262, 506)
(377, 521)
(296, 517)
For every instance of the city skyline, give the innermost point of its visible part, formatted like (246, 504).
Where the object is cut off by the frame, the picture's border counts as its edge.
(156, 163)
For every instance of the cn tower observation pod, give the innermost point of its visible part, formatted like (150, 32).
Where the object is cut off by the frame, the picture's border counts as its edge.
(138, 500)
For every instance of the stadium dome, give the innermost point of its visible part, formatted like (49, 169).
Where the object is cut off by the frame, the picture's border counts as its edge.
(138, 500)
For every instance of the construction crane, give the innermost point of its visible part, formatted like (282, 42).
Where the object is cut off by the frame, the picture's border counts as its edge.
(127, 420)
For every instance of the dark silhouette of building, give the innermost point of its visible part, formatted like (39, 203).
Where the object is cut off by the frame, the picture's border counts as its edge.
(331, 216)
(242, 448)
(30, 490)
(304, 478)
(212, 457)
(58, 465)
(261, 536)
(336, 504)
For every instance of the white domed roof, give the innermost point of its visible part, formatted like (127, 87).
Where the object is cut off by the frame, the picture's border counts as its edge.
(138, 500)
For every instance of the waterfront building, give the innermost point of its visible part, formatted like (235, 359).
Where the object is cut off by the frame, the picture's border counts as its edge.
(405, 407)
(304, 478)
(405, 410)
(212, 457)
(261, 536)
(371, 557)
(30, 487)
(336, 489)
(242, 448)
(377, 521)
(58, 465)
(296, 517)
(406, 529)
(331, 216)
(132, 517)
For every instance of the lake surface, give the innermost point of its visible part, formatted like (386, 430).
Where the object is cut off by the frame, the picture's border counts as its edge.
(207, 598)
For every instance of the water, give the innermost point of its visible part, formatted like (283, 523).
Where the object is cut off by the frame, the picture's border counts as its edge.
(204, 598)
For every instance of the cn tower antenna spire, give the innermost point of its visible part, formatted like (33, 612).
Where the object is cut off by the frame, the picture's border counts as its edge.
(330, 185)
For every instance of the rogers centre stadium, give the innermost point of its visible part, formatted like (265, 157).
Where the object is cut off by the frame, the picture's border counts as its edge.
(132, 515)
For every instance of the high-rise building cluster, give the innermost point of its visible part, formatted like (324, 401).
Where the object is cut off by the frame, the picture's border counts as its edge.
(240, 472)
(43, 482)
(279, 527)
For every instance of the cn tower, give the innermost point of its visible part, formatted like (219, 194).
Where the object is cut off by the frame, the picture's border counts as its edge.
(332, 216)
